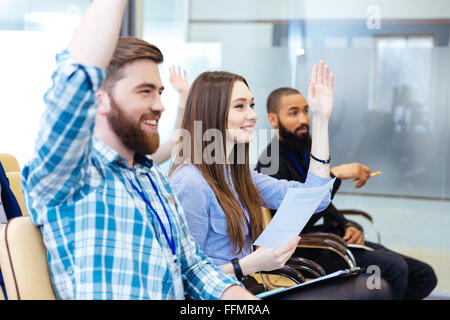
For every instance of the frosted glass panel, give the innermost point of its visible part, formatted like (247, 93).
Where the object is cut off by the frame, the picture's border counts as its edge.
(392, 93)
(410, 149)
(408, 143)
(404, 133)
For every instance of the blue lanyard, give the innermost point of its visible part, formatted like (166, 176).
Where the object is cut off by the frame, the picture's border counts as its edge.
(297, 165)
(172, 240)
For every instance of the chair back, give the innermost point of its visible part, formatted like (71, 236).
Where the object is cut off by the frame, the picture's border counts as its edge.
(12, 170)
(23, 260)
(266, 215)
(9, 162)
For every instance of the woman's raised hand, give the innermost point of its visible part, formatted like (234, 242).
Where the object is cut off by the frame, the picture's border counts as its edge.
(321, 91)
(178, 80)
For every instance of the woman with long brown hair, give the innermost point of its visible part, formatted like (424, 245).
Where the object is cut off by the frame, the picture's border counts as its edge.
(220, 104)
(220, 195)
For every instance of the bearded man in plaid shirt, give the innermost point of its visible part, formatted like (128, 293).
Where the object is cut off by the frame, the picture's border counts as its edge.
(111, 224)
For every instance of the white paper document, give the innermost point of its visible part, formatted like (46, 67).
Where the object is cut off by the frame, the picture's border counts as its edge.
(297, 207)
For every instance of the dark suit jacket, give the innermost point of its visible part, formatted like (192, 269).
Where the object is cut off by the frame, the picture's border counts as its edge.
(10, 205)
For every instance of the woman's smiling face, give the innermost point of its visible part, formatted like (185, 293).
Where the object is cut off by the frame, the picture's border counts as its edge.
(241, 114)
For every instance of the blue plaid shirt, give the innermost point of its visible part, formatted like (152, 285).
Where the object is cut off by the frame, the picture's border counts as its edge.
(103, 241)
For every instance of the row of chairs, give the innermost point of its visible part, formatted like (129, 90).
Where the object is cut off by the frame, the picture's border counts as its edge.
(23, 257)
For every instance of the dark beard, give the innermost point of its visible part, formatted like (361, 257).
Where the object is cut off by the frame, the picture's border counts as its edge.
(296, 143)
(130, 132)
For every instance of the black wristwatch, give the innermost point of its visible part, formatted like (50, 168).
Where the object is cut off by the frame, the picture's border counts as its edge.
(237, 269)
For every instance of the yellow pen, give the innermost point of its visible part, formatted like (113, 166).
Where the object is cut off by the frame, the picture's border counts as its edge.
(375, 173)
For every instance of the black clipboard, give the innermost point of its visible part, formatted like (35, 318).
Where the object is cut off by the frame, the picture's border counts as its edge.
(338, 274)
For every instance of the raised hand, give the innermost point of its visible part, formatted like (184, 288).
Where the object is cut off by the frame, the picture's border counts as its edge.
(321, 91)
(178, 80)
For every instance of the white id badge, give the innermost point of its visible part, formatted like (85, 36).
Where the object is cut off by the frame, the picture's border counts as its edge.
(177, 279)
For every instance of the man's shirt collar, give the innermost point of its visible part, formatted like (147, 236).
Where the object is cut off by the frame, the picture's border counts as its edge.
(112, 158)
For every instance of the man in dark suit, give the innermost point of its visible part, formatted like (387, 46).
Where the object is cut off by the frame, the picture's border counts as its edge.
(288, 112)
(8, 201)
(9, 208)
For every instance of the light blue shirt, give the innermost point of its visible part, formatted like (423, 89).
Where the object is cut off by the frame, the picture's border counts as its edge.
(206, 218)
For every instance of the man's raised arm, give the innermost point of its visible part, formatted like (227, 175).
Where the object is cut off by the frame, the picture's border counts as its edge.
(95, 38)
(63, 147)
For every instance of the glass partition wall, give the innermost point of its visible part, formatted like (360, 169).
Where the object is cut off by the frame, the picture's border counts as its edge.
(391, 109)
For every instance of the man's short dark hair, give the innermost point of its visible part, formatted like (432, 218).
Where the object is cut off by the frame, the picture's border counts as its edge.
(128, 50)
(273, 100)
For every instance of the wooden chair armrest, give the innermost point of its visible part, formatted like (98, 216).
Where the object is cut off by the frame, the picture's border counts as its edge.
(328, 242)
(324, 236)
(303, 264)
(288, 272)
(352, 212)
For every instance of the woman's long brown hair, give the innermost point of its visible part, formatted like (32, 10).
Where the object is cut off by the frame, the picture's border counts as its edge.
(208, 102)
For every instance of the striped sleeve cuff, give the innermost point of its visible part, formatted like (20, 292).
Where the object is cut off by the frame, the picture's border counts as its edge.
(217, 287)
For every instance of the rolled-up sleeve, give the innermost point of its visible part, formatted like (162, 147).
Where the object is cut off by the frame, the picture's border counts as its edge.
(65, 133)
